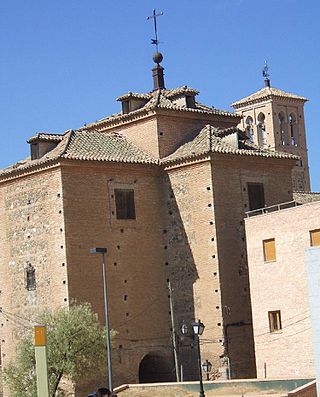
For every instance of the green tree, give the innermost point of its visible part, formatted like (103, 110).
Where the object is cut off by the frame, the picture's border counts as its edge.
(75, 345)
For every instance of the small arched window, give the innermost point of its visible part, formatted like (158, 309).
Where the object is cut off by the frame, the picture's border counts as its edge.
(30, 275)
(293, 129)
(249, 129)
(282, 125)
(262, 134)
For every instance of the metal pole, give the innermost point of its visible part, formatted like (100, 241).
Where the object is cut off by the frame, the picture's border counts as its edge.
(174, 339)
(106, 311)
(229, 368)
(199, 367)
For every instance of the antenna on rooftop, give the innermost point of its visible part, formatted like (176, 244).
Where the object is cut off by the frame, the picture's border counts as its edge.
(266, 74)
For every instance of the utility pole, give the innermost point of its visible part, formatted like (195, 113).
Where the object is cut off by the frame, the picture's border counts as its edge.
(174, 339)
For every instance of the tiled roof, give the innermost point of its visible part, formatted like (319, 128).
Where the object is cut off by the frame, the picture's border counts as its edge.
(134, 95)
(180, 91)
(211, 139)
(44, 136)
(266, 93)
(161, 99)
(87, 145)
(99, 146)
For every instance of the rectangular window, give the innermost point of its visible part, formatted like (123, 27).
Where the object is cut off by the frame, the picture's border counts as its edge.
(30, 275)
(269, 250)
(315, 238)
(256, 196)
(274, 321)
(125, 208)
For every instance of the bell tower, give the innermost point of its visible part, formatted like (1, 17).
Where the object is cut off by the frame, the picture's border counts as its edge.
(274, 119)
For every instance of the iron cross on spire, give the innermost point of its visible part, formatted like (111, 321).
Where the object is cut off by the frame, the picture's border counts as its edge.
(154, 16)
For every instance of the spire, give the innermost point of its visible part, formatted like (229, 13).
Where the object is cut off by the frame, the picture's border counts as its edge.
(266, 74)
(157, 71)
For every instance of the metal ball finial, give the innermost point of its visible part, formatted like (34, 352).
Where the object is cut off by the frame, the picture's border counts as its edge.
(157, 57)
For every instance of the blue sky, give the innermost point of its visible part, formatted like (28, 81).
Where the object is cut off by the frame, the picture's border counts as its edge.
(64, 62)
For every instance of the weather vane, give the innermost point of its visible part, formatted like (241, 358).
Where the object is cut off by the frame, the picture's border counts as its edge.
(266, 70)
(154, 16)
(266, 74)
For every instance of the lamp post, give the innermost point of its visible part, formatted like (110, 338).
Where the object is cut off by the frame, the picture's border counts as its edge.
(198, 328)
(207, 366)
(103, 252)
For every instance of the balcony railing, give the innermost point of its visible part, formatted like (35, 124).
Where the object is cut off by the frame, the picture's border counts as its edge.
(272, 208)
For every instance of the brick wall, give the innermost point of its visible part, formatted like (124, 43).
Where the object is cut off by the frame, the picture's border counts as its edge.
(192, 266)
(282, 285)
(230, 175)
(139, 306)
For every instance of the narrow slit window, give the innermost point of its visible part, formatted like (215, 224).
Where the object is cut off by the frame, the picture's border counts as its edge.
(275, 321)
(125, 208)
(315, 238)
(269, 250)
(30, 275)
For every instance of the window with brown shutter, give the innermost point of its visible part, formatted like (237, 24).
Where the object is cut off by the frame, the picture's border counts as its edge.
(124, 199)
(275, 321)
(269, 250)
(315, 238)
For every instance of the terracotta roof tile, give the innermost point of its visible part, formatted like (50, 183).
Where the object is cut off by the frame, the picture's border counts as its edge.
(266, 93)
(161, 99)
(87, 145)
(98, 146)
(46, 137)
(211, 139)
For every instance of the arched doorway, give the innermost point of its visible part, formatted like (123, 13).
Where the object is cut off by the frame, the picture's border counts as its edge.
(155, 367)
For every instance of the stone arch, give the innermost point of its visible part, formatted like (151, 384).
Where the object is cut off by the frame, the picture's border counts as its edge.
(262, 134)
(293, 128)
(283, 128)
(156, 367)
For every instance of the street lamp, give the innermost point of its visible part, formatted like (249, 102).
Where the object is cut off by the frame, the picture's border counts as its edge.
(103, 252)
(207, 366)
(198, 328)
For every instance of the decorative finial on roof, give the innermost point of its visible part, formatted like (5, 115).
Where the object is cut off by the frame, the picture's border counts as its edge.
(154, 16)
(266, 74)
(157, 71)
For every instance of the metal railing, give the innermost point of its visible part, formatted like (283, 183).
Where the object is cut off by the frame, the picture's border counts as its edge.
(272, 208)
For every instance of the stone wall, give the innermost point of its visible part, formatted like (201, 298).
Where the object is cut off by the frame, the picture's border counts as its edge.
(32, 232)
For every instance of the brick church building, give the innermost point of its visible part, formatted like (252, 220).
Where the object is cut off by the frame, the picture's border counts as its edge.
(163, 185)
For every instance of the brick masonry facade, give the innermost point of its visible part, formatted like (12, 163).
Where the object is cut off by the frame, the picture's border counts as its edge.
(189, 229)
(282, 285)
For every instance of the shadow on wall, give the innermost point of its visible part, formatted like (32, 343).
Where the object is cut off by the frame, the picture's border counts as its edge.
(182, 273)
